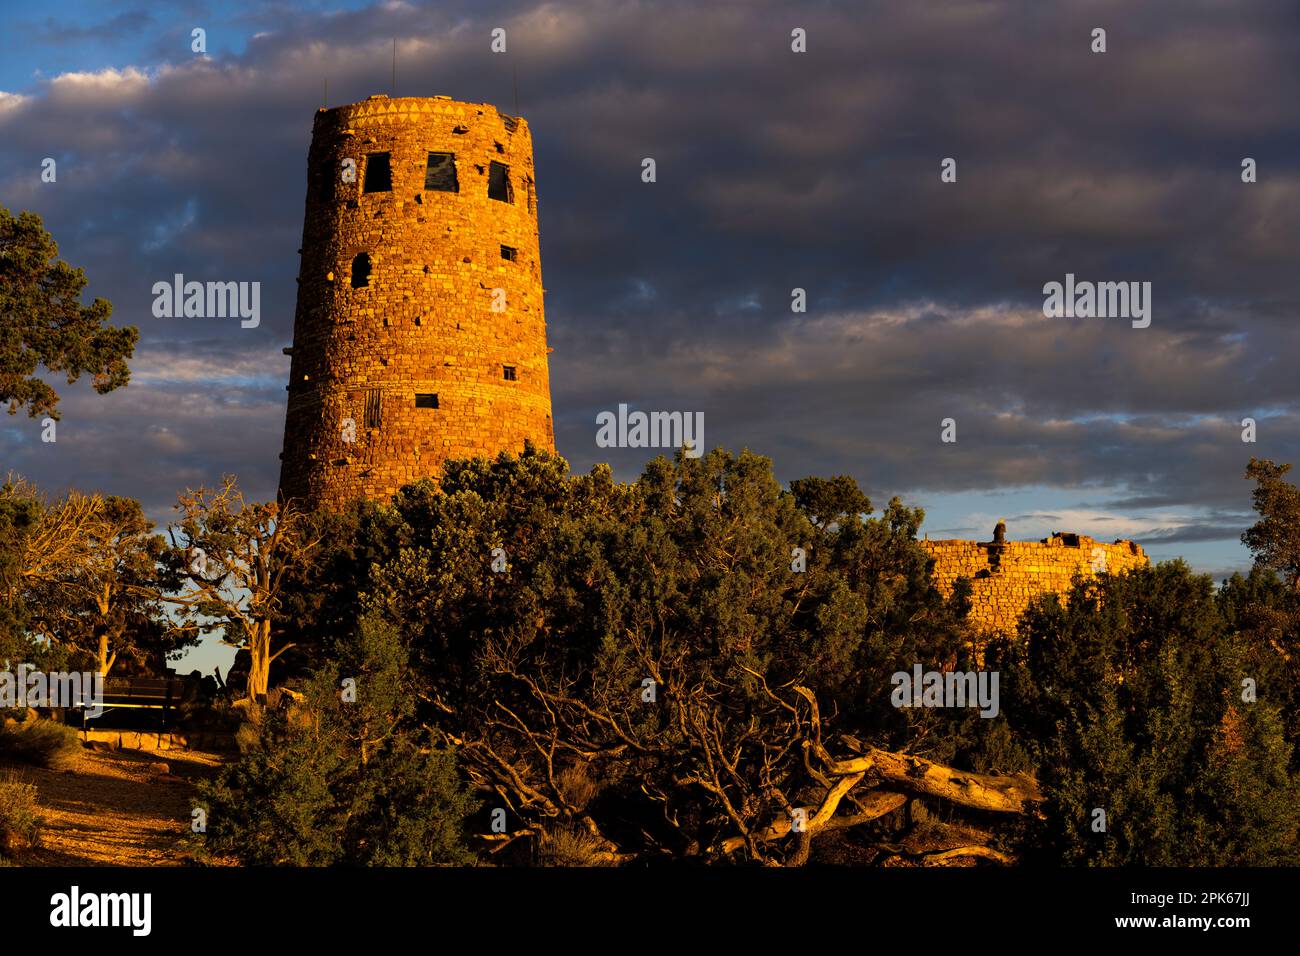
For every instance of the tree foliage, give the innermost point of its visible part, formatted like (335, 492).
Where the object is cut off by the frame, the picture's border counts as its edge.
(347, 782)
(1275, 538)
(99, 593)
(1130, 699)
(19, 515)
(44, 324)
(658, 638)
(697, 665)
(81, 574)
(227, 563)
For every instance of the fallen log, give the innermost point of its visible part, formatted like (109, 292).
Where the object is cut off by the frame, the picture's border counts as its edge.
(944, 856)
(1010, 794)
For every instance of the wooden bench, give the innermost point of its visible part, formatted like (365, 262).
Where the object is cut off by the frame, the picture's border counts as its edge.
(163, 694)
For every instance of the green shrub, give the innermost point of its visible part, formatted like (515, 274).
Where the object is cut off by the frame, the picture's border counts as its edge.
(19, 826)
(1130, 697)
(326, 783)
(40, 742)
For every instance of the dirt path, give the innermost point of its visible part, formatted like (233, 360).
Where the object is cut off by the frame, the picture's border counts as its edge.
(116, 808)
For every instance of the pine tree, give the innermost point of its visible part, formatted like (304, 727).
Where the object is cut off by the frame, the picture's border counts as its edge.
(43, 323)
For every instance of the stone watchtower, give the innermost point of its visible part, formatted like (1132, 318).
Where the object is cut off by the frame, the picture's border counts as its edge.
(419, 334)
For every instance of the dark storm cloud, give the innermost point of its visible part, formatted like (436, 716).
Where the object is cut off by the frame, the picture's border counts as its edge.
(55, 33)
(188, 417)
(1200, 532)
(775, 171)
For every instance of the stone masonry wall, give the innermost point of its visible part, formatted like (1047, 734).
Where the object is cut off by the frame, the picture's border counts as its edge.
(1005, 578)
(424, 323)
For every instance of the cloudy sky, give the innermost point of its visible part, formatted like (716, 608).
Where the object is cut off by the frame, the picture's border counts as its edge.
(776, 170)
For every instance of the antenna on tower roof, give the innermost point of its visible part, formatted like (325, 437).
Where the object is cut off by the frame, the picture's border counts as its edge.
(394, 66)
(514, 70)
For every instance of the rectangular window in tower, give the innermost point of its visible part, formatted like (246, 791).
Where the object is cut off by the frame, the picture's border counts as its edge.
(374, 407)
(379, 173)
(499, 183)
(509, 371)
(426, 400)
(509, 252)
(440, 174)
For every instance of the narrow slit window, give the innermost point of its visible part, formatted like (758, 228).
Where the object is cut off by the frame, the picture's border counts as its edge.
(509, 372)
(440, 174)
(374, 407)
(361, 271)
(426, 399)
(499, 183)
(379, 173)
(510, 253)
(325, 182)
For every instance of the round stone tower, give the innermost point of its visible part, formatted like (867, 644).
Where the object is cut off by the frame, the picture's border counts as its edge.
(419, 334)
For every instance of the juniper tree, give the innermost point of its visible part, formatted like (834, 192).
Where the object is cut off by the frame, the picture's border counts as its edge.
(1274, 539)
(646, 663)
(19, 515)
(1130, 700)
(345, 777)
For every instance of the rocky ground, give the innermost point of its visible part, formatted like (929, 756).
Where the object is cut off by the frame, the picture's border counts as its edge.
(117, 808)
